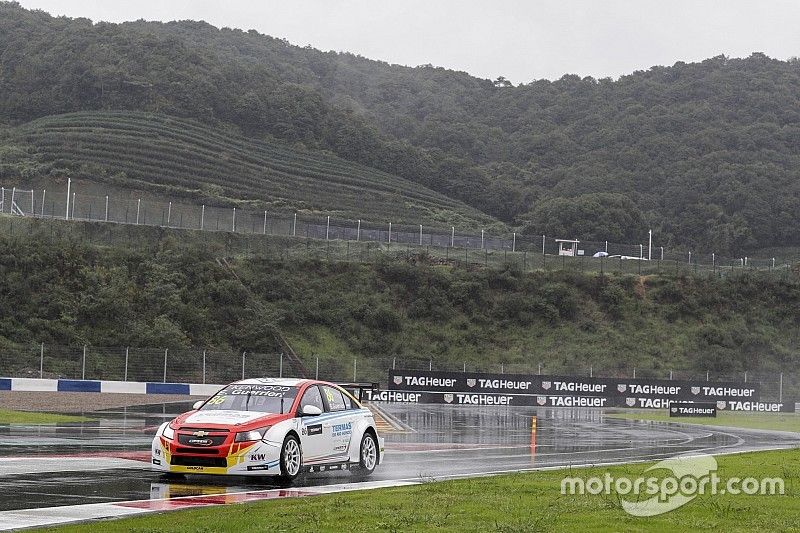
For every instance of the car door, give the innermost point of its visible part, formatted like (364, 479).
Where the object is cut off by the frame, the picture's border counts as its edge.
(339, 426)
(312, 439)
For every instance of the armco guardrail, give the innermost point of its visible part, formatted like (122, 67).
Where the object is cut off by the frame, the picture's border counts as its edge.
(118, 387)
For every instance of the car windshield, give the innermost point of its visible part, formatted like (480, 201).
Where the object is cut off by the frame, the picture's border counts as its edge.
(263, 398)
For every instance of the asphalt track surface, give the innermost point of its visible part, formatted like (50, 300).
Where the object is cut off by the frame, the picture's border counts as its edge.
(107, 460)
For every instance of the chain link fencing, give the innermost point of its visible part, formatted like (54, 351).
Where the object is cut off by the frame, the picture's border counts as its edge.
(452, 245)
(210, 366)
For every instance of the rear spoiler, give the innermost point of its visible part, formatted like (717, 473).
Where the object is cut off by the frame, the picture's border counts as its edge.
(358, 389)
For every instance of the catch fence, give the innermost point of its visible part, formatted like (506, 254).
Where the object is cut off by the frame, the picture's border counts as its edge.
(198, 365)
(452, 242)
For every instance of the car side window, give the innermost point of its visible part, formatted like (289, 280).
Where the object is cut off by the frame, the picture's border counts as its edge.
(348, 403)
(334, 398)
(312, 397)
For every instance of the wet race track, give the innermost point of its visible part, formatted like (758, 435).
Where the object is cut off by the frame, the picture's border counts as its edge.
(107, 460)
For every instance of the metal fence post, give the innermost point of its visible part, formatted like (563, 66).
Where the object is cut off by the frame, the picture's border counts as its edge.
(83, 366)
(106, 208)
(169, 214)
(670, 375)
(243, 363)
(634, 372)
(465, 366)
(452, 236)
(138, 209)
(294, 226)
(390, 233)
(355, 367)
(514, 243)
(420, 234)
(73, 207)
(745, 376)
(127, 349)
(69, 186)
(204, 367)
(233, 222)
(327, 227)
(44, 192)
(430, 364)
(316, 371)
(41, 361)
(707, 375)
(780, 389)
(280, 368)
(165, 364)
(539, 372)
(202, 216)
(358, 231)
(591, 371)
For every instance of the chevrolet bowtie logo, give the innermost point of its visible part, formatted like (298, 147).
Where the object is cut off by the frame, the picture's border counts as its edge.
(200, 434)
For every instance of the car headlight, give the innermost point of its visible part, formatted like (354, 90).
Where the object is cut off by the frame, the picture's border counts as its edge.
(168, 432)
(256, 434)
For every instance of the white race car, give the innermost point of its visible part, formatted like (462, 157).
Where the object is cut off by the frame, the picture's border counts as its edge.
(271, 427)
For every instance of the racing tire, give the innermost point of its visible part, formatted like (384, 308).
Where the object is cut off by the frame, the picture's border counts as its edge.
(367, 455)
(291, 460)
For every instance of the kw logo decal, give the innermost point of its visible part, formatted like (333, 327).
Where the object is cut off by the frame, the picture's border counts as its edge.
(258, 456)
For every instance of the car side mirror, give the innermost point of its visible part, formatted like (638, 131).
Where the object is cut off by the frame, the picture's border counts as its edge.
(310, 410)
(198, 404)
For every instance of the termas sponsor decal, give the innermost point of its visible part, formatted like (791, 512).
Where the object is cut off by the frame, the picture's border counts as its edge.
(340, 430)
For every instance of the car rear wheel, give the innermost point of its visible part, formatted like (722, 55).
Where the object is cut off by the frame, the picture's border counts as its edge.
(368, 456)
(291, 459)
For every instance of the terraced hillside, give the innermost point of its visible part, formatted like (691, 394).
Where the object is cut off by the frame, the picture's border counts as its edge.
(159, 152)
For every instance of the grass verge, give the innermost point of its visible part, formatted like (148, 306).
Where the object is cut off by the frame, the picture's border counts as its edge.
(518, 502)
(774, 421)
(8, 416)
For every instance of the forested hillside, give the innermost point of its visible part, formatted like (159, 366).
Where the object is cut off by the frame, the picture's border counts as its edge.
(172, 293)
(707, 154)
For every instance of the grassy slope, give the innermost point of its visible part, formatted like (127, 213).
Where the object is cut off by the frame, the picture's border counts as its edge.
(147, 150)
(23, 417)
(519, 502)
(780, 422)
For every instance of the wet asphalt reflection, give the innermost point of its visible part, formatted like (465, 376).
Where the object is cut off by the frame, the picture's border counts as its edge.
(443, 441)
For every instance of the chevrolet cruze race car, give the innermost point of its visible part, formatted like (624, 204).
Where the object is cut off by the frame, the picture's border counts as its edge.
(270, 427)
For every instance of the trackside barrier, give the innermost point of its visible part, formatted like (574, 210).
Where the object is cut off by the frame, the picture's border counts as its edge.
(118, 387)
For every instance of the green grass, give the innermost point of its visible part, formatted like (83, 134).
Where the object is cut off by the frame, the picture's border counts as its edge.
(509, 503)
(168, 154)
(8, 416)
(780, 422)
